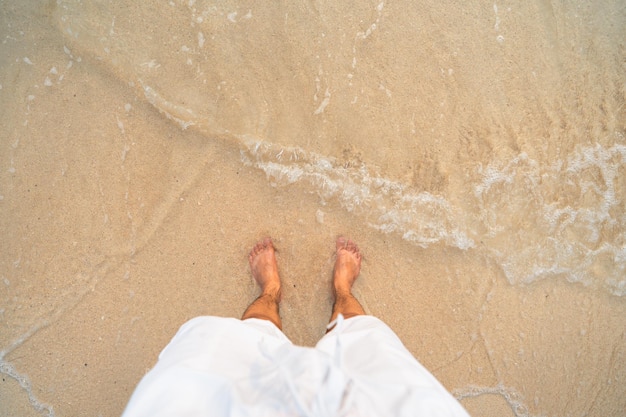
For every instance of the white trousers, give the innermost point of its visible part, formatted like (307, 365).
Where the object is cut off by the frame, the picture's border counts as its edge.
(217, 366)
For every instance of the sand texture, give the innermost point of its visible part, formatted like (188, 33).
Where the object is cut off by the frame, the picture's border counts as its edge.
(475, 151)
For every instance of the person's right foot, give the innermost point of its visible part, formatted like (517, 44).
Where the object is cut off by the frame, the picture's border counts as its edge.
(264, 267)
(347, 265)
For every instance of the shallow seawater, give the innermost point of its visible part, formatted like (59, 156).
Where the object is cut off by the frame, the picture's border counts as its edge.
(477, 154)
(549, 167)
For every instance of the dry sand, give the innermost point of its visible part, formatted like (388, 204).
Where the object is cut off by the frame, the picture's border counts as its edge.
(476, 153)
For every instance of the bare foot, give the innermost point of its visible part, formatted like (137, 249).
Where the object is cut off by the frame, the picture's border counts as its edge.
(347, 265)
(264, 267)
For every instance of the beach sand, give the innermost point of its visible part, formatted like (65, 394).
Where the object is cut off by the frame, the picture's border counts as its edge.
(476, 154)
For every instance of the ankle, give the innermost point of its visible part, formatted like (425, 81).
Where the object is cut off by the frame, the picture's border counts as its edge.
(272, 291)
(342, 291)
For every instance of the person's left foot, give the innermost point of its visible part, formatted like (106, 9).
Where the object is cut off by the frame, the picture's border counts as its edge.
(264, 267)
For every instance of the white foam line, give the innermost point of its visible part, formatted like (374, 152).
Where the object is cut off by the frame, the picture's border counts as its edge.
(510, 395)
(421, 218)
(8, 369)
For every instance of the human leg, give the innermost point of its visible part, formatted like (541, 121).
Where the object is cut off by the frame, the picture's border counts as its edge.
(347, 268)
(264, 269)
(390, 380)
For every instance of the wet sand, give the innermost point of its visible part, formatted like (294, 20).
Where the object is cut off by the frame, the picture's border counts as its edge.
(477, 156)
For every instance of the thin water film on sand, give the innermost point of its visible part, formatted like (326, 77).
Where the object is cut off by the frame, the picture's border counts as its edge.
(476, 153)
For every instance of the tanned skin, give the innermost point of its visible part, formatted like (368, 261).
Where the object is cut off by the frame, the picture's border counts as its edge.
(264, 269)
